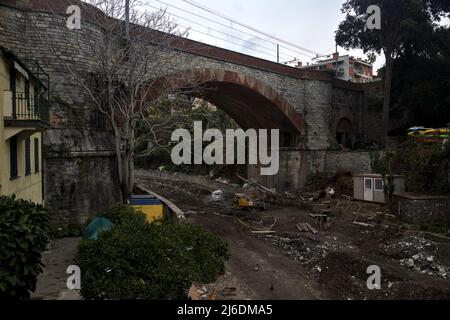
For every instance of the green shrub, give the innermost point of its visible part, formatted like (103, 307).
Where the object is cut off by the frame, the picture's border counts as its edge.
(59, 231)
(24, 231)
(136, 260)
(426, 167)
(122, 213)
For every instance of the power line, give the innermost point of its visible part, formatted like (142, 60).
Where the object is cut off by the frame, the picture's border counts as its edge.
(247, 26)
(226, 34)
(232, 28)
(234, 43)
(219, 38)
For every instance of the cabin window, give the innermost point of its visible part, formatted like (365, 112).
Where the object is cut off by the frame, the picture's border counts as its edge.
(378, 184)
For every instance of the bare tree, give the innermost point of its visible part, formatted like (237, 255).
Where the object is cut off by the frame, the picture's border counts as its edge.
(131, 64)
(173, 112)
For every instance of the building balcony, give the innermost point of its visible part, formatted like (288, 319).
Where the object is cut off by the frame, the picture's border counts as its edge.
(29, 108)
(23, 112)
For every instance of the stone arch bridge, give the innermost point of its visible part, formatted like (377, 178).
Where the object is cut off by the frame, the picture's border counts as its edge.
(308, 107)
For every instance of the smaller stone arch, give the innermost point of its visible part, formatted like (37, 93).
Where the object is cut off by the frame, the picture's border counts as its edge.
(345, 133)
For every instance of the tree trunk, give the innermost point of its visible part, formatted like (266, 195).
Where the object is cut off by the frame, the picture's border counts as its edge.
(126, 164)
(387, 97)
(127, 184)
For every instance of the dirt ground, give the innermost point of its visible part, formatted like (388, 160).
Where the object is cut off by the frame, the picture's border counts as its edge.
(291, 265)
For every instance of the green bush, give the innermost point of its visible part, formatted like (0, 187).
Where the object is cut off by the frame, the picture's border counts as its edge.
(426, 167)
(122, 213)
(24, 232)
(158, 261)
(59, 231)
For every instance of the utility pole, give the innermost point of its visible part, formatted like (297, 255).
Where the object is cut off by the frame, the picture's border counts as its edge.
(278, 53)
(337, 59)
(127, 19)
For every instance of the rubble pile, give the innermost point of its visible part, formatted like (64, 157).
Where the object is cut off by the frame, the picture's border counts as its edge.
(307, 252)
(418, 254)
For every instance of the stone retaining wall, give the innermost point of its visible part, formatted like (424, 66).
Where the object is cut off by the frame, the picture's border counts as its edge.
(424, 210)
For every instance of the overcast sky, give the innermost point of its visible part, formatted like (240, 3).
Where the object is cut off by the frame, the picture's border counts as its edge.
(309, 24)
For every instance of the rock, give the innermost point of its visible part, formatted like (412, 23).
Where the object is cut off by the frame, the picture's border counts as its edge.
(410, 263)
(430, 259)
(202, 290)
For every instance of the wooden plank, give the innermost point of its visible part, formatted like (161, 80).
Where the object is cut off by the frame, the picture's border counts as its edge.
(313, 230)
(179, 213)
(302, 227)
(263, 232)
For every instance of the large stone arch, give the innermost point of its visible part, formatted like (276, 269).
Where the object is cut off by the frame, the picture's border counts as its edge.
(252, 103)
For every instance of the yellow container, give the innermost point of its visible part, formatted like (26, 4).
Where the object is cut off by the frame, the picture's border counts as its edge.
(149, 205)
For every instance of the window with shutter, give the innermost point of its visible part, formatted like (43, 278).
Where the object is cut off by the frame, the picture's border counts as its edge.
(13, 157)
(27, 156)
(36, 155)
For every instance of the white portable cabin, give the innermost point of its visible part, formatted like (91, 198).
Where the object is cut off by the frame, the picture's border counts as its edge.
(370, 187)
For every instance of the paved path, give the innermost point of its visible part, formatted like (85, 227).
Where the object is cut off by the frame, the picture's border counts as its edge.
(51, 283)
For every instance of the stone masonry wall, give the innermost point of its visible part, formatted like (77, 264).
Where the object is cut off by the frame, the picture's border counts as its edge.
(424, 211)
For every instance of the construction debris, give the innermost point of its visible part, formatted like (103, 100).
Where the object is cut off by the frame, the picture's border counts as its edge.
(362, 224)
(307, 196)
(306, 227)
(348, 198)
(260, 231)
(302, 227)
(263, 232)
(250, 202)
(322, 219)
(289, 195)
(217, 195)
(229, 292)
(419, 254)
(330, 192)
(258, 186)
(337, 259)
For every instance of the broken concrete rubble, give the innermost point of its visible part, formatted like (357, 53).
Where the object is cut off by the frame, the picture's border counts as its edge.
(419, 254)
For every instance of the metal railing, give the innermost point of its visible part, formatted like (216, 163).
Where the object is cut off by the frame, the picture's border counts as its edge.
(30, 107)
(43, 78)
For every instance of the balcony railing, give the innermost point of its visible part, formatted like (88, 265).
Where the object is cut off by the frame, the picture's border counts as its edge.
(29, 107)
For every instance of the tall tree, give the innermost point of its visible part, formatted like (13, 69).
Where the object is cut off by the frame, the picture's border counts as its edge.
(403, 23)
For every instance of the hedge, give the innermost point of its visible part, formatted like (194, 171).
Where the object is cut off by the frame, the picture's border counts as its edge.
(158, 261)
(24, 233)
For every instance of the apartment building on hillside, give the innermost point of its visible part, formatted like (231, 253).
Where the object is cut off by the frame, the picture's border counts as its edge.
(347, 68)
